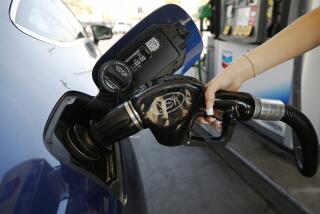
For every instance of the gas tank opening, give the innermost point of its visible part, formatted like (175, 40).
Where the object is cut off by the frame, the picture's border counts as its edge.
(70, 116)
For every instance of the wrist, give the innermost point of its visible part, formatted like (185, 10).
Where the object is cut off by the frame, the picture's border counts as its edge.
(244, 69)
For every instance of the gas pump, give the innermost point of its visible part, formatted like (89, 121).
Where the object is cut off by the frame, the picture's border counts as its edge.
(243, 26)
(242, 21)
(209, 14)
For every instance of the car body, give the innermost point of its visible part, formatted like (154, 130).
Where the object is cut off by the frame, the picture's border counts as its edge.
(45, 53)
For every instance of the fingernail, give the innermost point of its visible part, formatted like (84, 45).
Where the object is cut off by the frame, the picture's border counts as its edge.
(217, 122)
(209, 111)
(211, 119)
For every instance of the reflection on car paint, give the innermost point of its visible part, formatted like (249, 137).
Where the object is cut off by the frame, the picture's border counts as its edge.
(34, 186)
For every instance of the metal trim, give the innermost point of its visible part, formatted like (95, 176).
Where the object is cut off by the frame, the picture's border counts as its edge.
(133, 115)
(257, 108)
(271, 109)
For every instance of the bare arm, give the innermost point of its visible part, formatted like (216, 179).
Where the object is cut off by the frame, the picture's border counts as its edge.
(296, 39)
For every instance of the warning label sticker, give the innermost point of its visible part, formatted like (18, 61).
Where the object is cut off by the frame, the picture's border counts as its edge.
(143, 53)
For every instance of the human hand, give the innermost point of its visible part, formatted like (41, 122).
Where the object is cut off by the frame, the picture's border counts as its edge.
(229, 79)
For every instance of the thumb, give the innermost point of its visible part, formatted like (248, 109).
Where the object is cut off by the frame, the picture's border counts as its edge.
(209, 99)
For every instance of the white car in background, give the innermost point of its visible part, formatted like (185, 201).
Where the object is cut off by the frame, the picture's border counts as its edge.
(121, 27)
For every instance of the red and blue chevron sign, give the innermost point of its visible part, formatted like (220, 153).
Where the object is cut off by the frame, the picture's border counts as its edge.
(226, 58)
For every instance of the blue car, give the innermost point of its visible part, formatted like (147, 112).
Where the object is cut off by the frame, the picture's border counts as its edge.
(45, 52)
(48, 74)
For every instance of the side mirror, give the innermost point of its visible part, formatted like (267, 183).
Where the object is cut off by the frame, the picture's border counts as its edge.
(101, 32)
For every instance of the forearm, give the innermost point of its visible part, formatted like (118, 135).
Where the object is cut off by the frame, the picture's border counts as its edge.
(296, 39)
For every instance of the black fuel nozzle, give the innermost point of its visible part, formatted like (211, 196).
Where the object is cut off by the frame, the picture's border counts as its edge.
(120, 123)
(88, 144)
(235, 105)
(169, 105)
(166, 106)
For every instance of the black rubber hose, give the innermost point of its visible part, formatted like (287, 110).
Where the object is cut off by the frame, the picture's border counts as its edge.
(306, 154)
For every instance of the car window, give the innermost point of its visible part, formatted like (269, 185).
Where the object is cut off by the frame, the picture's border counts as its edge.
(48, 18)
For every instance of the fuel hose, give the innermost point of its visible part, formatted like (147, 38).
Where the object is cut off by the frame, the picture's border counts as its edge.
(307, 152)
(306, 147)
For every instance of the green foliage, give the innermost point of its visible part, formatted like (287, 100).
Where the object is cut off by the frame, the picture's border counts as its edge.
(205, 11)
